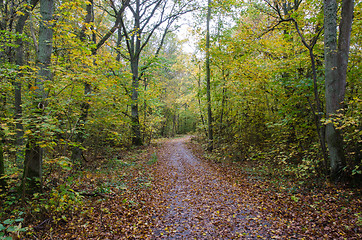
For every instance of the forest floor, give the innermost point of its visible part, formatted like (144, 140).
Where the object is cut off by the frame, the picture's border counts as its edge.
(199, 202)
(169, 190)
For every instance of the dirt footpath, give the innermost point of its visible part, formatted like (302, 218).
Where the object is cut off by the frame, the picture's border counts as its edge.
(196, 201)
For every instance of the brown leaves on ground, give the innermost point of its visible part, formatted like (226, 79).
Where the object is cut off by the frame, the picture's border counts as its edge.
(115, 205)
(194, 200)
(321, 213)
(179, 194)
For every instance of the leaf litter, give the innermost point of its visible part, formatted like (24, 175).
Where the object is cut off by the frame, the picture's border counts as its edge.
(170, 191)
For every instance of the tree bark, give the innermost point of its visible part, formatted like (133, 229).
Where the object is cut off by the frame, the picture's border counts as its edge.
(208, 90)
(34, 153)
(199, 99)
(119, 39)
(136, 138)
(223, 100)
(318, 114)
(336, 59)
(2, 139)
(19, 60)
(2, 165)
(135, 58)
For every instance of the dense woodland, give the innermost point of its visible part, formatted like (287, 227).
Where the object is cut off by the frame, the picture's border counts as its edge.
(274, 84)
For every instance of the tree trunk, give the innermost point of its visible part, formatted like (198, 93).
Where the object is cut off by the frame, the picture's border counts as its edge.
(318, 114)
(2, 139)
(2, 167)
(135, 58)
(77, 151)
(79, 138)
(119, 39)
(199, 101)
(208, 91)
(34, 153)
(19, 60)
(136, 138)
(336, 60)
(223, 100)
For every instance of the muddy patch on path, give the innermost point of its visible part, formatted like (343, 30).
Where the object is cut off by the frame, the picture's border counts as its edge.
(194, 200)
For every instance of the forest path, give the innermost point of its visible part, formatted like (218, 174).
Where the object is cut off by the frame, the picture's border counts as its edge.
(196, 201)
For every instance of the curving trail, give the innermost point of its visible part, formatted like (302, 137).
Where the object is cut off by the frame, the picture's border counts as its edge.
(195, 200)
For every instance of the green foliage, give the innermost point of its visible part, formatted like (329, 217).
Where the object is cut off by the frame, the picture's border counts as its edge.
(294, 198)
(11, 225)
(10, 228)
(359, 219)
(59, 204)
(263, 93)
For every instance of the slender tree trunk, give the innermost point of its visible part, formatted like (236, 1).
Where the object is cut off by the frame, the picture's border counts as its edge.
(2, 140)
(174, 126)
(318, 115)
(199, 99)
(119, 39)
(19, 126)
(136, 138)
(318, 111)
(2, 165)
(208, 90)
(79, 138)
(77, 151)
(144, 137)
(223, 101)
(19, 60)
(34, 153)
(336, 59)
(135, 58)
(137, 38)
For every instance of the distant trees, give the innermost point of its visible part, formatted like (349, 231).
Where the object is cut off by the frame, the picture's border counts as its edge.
(145, 19)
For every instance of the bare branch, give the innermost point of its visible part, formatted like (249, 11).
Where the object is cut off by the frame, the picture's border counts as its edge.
(315, 38)
(119, 14)
(126, 37)
(300, 34)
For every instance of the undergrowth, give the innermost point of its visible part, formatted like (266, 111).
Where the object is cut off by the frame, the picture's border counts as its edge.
(71, 194)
